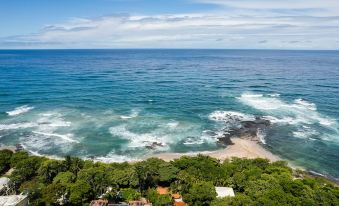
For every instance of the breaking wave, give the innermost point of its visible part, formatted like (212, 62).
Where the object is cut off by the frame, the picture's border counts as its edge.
(229, 116)
(13, 126)
(134, 113)
(298, 112)
(301, 114)
(19, 110)
(138, 140)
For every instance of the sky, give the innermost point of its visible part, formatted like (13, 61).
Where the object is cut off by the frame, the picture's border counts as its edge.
(219, 24)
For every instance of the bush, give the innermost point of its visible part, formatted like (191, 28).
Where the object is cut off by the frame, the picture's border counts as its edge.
(5, 160)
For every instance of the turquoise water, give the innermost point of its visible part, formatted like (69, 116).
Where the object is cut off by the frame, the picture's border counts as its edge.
(112, 105)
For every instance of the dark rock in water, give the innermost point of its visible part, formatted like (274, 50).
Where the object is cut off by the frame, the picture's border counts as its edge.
(154, 145)
(19, 147)
(248, 129)
(210, 133)
(225, 140)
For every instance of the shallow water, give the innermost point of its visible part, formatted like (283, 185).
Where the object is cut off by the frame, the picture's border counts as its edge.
(113, 104)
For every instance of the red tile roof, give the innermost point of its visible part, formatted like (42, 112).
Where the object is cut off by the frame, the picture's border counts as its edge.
(162, 190)
(180, 204)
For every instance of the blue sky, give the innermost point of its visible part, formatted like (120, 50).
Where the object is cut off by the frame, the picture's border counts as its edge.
(257, 24)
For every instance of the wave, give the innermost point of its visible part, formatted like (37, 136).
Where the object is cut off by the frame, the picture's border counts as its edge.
(298, 112)
(229, 116)
(301, 114)
(134, 113)
(173, 124)
(19, 110)
(113, 157)
(67, 137)
(138, 140)
(261, 135)
(23, 125)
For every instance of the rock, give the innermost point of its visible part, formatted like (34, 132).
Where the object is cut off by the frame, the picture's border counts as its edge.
(247, 129)
(154, 145)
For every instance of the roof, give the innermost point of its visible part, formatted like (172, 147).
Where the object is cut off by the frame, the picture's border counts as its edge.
(162, 190)
(98, 203)
(224, 192)
(136, 203)
(11, 200)
(4, 183)
(176, 196)
(4, 180)
(180, 204)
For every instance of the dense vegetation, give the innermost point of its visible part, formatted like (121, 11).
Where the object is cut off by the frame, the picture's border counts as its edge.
(76, 182)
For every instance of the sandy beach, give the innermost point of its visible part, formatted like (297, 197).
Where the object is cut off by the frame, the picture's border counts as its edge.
(242, 148)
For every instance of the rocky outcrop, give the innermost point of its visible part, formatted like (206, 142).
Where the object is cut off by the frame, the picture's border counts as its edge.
(245, 129)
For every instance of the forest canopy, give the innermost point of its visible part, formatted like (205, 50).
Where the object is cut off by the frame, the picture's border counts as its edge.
(74, 181)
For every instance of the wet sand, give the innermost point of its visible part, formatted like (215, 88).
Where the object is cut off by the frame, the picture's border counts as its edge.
(242, 148)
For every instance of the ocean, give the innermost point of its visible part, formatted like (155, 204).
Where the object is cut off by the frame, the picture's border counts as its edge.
(120, 105)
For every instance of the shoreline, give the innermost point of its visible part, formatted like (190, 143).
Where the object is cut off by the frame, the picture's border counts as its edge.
(241, 148)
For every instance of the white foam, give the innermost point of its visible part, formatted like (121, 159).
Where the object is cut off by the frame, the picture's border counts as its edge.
(173, 125)
(19, 110)
(112, 157)
(17, 126)
(35, 153)
(67, 137)
(261, 135)
(298, 112)
(134, 113)
(53, 120)
(229, 115)
(138, 140)
(274, 95)
(304, 103)
(193, 141)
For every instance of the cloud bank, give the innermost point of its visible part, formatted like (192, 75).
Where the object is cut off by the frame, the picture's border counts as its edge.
(299, 24)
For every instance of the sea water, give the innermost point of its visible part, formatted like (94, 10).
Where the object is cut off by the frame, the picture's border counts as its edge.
(118, 105)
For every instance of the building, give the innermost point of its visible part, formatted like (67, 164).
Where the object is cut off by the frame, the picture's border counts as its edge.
(136, 203)
(224, 192)
(14, 200)
(5, 186)
(162, 190)
(99, 203)
(177, 200)
(180, 204)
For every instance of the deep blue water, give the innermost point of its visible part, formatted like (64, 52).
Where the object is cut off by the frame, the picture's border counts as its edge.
(112, 104)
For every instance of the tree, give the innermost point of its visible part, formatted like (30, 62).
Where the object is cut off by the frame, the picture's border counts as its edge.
(49, 169)
(54, 194)
(96, 178)
(5, 160)
(18, 157)
(167, 173)
(25, 170)
(129, 194)
(34, 189)
(64, 178)
(148, 173)
(73, 164)
(124, 177)
(200, 194)
(157, 199)
(80, 193)
(238, 200)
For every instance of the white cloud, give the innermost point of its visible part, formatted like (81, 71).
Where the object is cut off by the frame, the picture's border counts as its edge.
(277, 4)
(186, 31)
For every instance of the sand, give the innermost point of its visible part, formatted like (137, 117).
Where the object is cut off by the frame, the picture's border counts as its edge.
(242, 148)
(12, 148)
